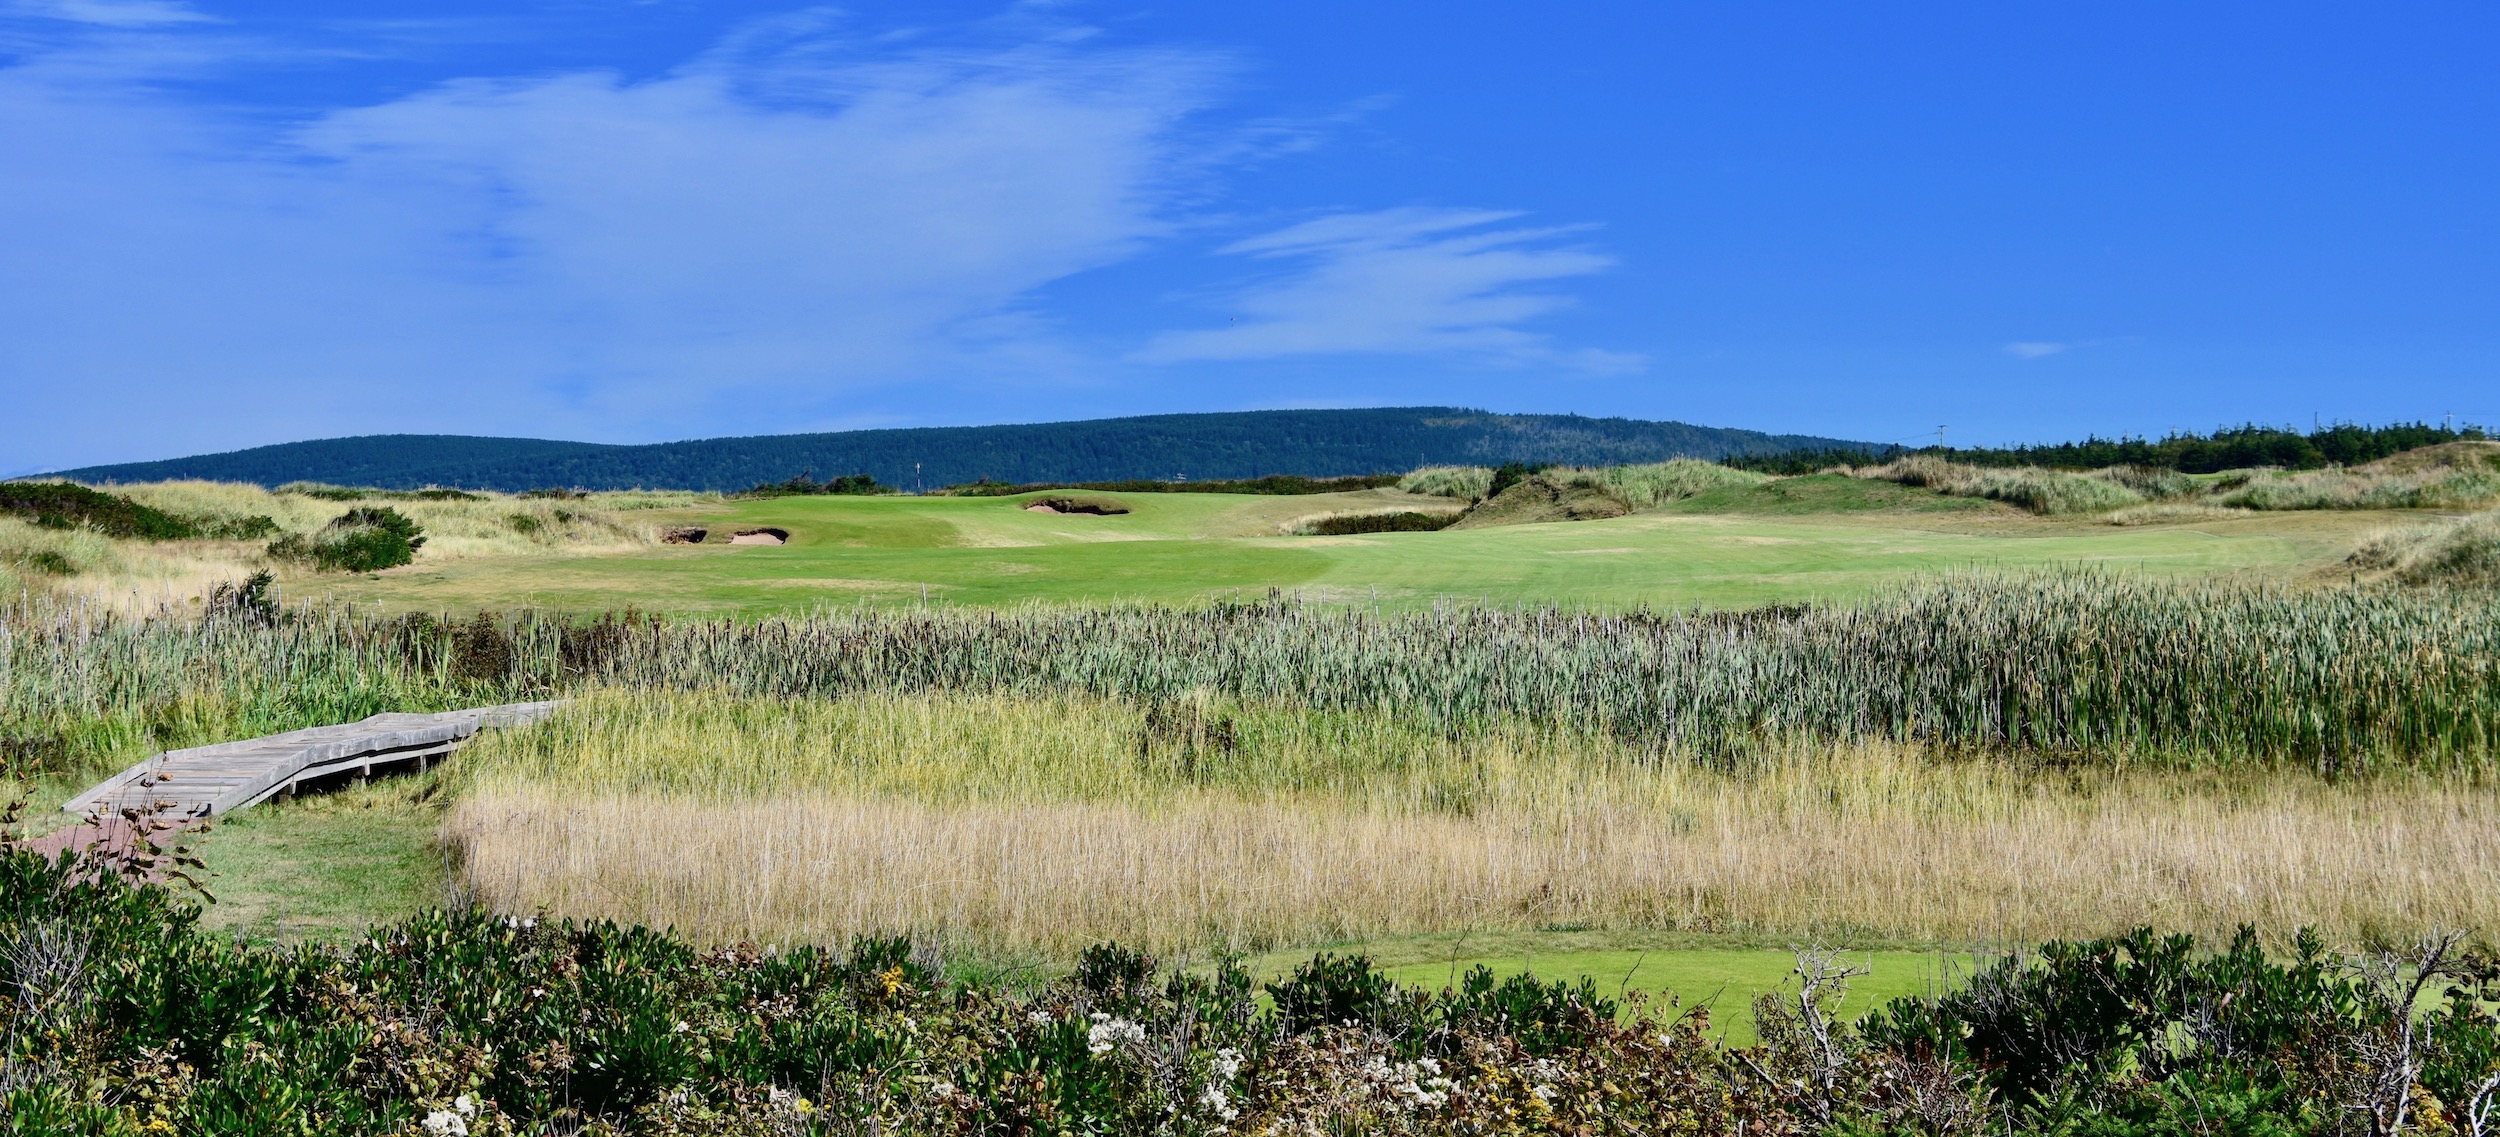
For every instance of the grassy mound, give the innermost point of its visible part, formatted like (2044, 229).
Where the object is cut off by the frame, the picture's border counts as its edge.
(2465, 553)
(67, 505)
(1539, 498)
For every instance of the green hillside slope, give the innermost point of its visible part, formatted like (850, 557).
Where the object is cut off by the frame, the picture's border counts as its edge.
(1241, 444)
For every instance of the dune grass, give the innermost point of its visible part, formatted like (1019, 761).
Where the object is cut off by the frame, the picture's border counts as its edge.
(1013, 823)
(2462, 552)
(143, 576)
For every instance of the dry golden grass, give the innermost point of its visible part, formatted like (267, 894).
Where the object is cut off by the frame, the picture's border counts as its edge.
(144, 576)
(1022, 824)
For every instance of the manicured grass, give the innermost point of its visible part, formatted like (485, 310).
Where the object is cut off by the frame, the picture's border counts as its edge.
(327, 865)
(1722, 973)
(1818, 538)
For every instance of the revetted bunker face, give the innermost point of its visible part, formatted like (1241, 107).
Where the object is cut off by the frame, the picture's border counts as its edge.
(765, 536)
(683, 535)
(1089, 506)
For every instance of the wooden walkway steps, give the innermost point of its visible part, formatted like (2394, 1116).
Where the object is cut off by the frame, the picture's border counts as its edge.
(212, 781)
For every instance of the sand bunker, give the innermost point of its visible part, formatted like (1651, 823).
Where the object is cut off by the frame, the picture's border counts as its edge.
(683, 535)
(1092, 507)
(761, 537)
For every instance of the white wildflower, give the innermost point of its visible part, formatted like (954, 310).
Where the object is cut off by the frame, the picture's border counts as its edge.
(1108, 1033)
(1227, 1064)
(466, 1107)
(942, 1089)
(1038, 1016)
(680, 1028)
(445, 1123)
(1217, 1101)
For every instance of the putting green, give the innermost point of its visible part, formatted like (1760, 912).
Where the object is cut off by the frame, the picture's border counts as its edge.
(1810, 541)
(1720, 974)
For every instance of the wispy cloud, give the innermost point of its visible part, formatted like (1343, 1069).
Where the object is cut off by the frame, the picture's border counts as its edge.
(788, 217)
(112, 13)
(2034, 349)
(1412, 280)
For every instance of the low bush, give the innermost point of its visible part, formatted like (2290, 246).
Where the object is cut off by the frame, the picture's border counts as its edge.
(50, 562)
(363, 539)
(358, 493)
(127, 1019)
(1347, 524)
(1273, 485)
(66, 505)
(803, 485)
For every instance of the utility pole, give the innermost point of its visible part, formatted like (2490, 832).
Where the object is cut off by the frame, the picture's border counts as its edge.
(915, 477)
(1940, 437)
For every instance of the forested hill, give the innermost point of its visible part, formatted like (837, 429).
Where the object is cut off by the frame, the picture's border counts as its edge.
(1242, 444)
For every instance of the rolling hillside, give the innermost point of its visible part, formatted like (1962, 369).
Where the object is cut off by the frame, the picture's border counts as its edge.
(1193, 446)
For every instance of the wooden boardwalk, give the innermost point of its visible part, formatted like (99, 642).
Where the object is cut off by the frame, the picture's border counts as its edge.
(212, 781)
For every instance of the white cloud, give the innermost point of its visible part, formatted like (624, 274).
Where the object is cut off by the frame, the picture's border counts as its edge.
(781, 220)
(2034, 349)
(113, 13)
(1412, 280)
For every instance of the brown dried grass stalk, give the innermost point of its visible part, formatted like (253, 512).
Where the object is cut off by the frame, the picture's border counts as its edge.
(955, 816)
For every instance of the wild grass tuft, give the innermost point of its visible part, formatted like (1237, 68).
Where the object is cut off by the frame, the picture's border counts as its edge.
(2038, 490)
(1655, 484)
(1466, 483)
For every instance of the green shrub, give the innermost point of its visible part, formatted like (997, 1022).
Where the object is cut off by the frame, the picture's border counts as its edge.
(251, 528)
(68, 505)
(49, 561)
(1272, 485)
(363, 539)
(1509, 474)
(128, 1018)
(803, 485)
(1347, 524)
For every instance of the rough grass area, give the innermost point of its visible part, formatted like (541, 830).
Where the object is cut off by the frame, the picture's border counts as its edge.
(2463, 552)
(227, 531)
(1015, 824)
(2052, 492)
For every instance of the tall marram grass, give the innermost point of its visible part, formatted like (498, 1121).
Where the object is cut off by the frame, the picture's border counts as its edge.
(1654, 484)
(2106, 667)
(1025, 823)
(2430, 488)
(2030, 487)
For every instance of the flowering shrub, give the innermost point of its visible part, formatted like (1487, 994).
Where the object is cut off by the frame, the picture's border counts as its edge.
(123, 1018)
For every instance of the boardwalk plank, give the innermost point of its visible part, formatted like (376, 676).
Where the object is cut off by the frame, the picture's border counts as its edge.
(211, 781)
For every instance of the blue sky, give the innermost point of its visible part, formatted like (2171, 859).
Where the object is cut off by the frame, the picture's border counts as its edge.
(227, 224)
